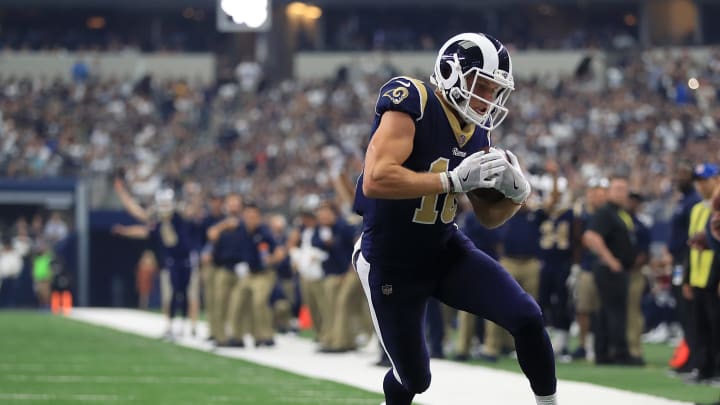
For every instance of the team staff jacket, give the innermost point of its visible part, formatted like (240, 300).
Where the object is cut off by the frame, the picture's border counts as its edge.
(258, 245)
(337, 241)
(228, 249)
(412, 231)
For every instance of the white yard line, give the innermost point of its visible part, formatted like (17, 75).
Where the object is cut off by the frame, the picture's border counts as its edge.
(452, 383)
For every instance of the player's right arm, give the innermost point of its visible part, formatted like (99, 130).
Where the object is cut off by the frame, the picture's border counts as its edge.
(131, 206)
(390, 146)
(213, 233)
(131, 231)
(594, 241)
(401, 104)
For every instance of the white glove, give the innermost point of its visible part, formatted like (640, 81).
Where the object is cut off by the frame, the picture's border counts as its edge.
(325, 233)
(242, 269)
(572, 279)
(479, 170)
(512, 182)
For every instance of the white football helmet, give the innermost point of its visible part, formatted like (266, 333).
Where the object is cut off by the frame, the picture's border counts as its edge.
(461, 62)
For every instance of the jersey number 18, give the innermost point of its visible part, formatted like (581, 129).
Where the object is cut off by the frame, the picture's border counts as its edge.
(428, 213)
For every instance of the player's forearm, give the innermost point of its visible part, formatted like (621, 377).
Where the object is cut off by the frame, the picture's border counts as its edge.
(278, 255)
(492, 215)
(213, 233)
(398, 182)
(135, 232)
(344, 188)
(596, 244)
(132, 207)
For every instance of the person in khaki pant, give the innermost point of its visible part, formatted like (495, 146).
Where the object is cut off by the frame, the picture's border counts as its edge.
(227, 253)
(582, 279)
(283, 308)
(518, 251)
(213, 216)
(488, 241)
(336, 237)
(636, 282)
(261, 254)
(352, 316)
(307, 260)
(526, 271)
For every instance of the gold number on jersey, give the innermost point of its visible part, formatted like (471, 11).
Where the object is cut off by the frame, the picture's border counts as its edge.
(555, 235)
(428, 213)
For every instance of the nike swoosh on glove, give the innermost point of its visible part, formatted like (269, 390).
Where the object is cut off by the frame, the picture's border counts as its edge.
(479, 170)
(512, 182)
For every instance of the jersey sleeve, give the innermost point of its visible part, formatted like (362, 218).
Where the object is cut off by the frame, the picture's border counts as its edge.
(270, 239)
(403, 94)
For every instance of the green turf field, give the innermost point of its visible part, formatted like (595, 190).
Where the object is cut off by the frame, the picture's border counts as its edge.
(48, 359)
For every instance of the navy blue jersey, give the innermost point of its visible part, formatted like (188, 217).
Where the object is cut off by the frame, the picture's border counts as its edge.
(556, 237)
(642, 235)
(205, 223)
(520, 235)
(680, 222)
(588, 258)
(338, 243)
(228, 248)
(173, 243)
(485, 239)
(410, 231)
(258, 244)
(284, 271)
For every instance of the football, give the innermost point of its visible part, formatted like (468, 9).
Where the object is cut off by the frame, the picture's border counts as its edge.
(489, 195)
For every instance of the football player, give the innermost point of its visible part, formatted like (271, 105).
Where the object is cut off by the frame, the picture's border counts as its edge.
(581, 279)
(557, 253)
(429, 143)
(171, 233)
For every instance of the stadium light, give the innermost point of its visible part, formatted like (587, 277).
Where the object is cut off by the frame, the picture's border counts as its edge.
(303, 11)
(243, 15)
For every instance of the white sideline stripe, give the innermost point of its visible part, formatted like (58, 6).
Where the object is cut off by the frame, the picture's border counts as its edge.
(453, 383)
(71, 397)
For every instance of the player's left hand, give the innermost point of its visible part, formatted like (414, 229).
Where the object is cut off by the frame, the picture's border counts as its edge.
(512, 182)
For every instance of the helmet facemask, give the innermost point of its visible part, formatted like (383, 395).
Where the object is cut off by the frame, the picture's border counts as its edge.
(495, 112)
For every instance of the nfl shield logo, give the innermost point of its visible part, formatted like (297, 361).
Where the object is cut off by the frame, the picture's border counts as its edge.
(386, 289)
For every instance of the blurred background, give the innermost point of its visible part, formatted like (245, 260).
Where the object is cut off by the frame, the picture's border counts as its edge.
(273, 100)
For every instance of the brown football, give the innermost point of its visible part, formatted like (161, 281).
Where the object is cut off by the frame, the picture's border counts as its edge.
(487, 194)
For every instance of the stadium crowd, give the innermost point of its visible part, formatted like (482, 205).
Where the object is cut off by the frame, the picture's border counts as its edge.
(361, 28)
(294, 149)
